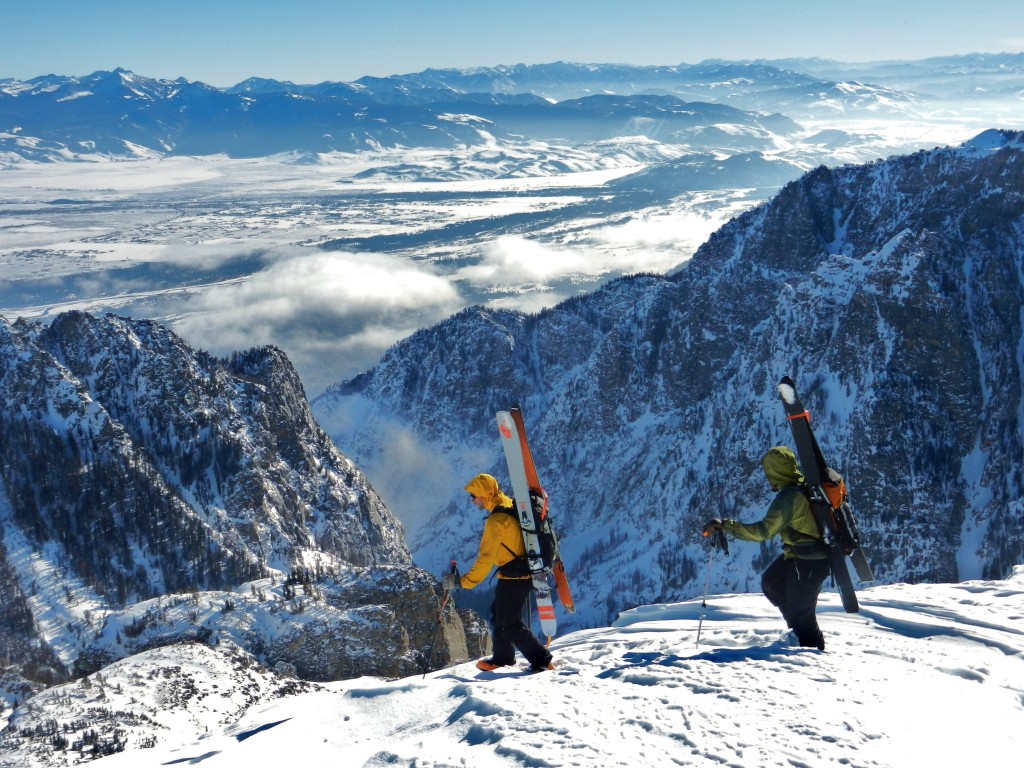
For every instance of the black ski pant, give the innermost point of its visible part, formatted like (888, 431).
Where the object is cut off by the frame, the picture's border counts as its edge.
(509, 631)
(792, 586)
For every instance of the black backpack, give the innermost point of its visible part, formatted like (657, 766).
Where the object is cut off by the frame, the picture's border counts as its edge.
(520, 565)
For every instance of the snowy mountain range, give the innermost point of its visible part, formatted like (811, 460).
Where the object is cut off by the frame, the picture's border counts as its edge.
(152, 494)
(891, 292)
(88, 116)
(123, 114)
(464, 199)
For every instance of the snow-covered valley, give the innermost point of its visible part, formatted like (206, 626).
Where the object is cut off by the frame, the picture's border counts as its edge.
(335, 260)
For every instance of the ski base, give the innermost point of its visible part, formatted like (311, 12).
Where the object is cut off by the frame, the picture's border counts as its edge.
(562, 587)
(835, 519)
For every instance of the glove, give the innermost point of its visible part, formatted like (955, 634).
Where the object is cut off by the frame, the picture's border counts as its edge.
(450, 581)
(712, 526)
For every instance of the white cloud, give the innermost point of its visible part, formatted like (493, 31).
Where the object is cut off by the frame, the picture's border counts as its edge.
(317, 306)
(649, 241)
(680, 231)
(509, 260)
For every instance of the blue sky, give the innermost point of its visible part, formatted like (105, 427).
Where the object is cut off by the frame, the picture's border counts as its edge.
(222, 42)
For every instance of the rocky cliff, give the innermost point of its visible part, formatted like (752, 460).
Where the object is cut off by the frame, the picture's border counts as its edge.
(151, 494)
(892, 292)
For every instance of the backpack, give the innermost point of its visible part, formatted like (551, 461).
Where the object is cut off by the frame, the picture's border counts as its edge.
(545, 533)
(834, 487)
(840, 520)
(546, 539)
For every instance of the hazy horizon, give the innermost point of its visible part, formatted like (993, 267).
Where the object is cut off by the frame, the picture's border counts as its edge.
(314, 41)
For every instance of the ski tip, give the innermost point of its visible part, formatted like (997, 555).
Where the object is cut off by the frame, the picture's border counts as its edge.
(505, 424)
(787, 391)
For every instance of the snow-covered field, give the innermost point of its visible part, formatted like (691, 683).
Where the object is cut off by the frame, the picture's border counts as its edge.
(335, 259)
(329, 267)
(925, 675)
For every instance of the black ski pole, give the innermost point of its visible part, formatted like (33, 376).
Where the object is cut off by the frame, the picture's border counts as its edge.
(440, 617)
(717, 541)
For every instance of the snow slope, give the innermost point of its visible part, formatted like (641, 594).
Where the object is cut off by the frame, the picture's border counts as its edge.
(925, 675)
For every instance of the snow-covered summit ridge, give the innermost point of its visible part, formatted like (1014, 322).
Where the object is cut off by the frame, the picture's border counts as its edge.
(899, 686)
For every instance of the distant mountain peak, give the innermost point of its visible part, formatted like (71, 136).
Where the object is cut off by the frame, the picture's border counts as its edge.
(120, 113)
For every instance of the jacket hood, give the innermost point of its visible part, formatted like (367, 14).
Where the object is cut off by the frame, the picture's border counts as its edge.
(780, 468)
(486, 487)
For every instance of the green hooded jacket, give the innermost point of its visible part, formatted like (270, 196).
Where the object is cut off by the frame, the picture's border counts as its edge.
(789, 515)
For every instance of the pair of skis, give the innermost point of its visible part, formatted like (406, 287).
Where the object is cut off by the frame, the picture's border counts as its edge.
(529, 496)
(827, 495)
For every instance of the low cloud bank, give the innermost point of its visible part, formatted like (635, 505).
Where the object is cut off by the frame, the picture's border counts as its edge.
(511, 260)
(317, 304)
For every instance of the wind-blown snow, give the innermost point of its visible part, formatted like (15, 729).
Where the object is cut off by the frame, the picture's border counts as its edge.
(925, 675)
(787, 393)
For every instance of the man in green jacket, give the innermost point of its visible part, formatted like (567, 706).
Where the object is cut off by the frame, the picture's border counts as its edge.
(792, 582)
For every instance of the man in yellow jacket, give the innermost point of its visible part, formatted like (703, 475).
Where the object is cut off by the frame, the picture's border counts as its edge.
(793, 581)
(502, 545)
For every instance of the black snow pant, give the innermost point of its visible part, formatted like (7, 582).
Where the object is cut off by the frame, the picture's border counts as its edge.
(509, 631)
(792, 586)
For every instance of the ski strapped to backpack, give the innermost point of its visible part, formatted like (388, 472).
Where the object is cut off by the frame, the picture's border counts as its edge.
(550, 552)
(546, 539)
(549, 549)
(826, 491)
(542, 554)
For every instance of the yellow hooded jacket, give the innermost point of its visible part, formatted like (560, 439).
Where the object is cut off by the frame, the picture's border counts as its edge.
(502, 539)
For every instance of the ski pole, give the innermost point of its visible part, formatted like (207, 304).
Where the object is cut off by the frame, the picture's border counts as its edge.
(440, 617)
(704, 600)
(718, 541)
